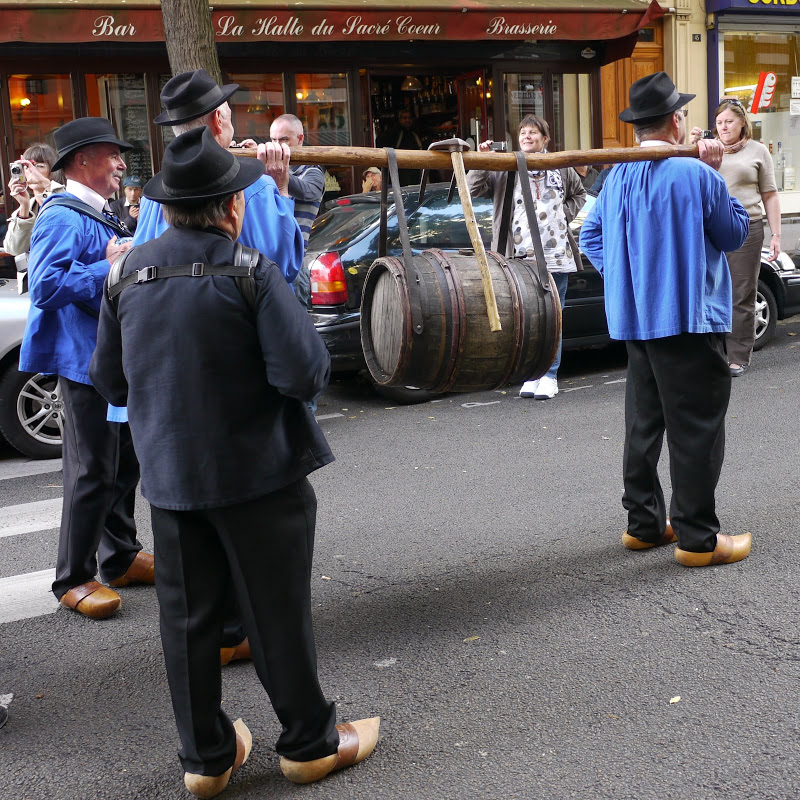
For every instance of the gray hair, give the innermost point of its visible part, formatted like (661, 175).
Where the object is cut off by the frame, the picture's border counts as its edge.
(198, 122)
(206, 214)
(650, 127)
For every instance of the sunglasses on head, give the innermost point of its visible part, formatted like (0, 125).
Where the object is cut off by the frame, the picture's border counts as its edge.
(734, 102)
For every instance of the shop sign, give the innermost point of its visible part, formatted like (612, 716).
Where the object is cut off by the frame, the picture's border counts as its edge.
(773, 6)
(767, 81)
(316, 25)
(523, 97)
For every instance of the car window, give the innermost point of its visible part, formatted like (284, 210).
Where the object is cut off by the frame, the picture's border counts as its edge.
(341, 224)
(441, 224)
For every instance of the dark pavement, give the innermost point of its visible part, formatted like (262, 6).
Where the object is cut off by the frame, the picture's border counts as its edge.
(470, 588)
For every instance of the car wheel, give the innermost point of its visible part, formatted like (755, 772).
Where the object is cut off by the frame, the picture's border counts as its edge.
(766, 315)
(405, 395)
(31, 413)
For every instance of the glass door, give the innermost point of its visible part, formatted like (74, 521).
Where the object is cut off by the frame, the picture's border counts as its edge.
(476, 123)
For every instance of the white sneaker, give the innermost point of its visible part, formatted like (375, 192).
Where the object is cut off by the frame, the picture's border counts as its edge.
(547, 389)
(529, 389)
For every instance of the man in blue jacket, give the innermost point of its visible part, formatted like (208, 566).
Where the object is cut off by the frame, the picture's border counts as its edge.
(231, 505)
(194, 100)
(72, 249)
(658, 235)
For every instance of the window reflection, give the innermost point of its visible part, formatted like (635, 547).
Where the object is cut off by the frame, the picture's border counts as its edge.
(39, 105)
(323, 106)
(257, 103)
(442, 224)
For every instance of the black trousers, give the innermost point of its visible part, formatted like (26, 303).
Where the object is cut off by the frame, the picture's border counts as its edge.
(681, 385)
(100, 477)
(263, 550)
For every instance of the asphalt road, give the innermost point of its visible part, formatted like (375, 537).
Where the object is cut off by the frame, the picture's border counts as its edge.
(470, 588)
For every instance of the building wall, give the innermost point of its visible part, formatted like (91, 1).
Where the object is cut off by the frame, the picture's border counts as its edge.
(679, 48)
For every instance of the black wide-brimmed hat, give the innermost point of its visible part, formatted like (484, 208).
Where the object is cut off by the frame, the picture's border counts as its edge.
(196, 169)
(653, 96)
(84, 131)
(189, 95)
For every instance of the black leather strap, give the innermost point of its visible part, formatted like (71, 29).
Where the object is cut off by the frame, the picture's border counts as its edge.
(412, 278)
(243, 270)
(530, 210)
(505, 218)
(87, 211)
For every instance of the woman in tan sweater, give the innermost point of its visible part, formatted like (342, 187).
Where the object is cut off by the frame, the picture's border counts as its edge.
(750, 175)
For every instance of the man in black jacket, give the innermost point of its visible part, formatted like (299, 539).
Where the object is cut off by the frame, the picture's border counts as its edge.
(217, 388)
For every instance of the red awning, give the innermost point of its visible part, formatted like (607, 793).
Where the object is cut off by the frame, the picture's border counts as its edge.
(334, 21)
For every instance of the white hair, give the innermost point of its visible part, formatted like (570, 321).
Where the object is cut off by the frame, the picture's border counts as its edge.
(198, 122)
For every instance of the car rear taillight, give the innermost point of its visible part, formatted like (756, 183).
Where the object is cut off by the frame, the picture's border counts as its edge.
(328, 285)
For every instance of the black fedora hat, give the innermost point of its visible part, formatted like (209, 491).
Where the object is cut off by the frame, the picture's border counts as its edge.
(196, 168)
(189, 95)
(653, 96)
(84, 131)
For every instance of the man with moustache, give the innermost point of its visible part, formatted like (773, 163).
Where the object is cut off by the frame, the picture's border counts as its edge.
(73, 244)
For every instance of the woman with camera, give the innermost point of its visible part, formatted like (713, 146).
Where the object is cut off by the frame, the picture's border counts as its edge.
(750, 176)
(558, 196)
(31, 183)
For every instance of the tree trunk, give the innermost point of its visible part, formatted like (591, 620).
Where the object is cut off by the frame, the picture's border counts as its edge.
(189, 35)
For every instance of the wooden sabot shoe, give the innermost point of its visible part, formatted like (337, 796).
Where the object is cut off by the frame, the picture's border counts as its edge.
(207, 786)
(729, 550)
(141, 570)
(93, 600)
(632, 543)
(356, 741)
(239, 653)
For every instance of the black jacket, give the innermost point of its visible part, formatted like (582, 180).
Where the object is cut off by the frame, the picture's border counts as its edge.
(217, 393)
(123, 212)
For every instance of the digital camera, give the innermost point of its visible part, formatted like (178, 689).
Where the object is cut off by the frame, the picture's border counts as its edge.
(18, 171)
(708, 134)
(499, 147)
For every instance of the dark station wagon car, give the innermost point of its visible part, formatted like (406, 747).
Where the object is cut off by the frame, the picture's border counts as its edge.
(344, 243)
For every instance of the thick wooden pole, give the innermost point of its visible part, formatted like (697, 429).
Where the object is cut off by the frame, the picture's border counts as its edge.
(433, 159)
(475, 237)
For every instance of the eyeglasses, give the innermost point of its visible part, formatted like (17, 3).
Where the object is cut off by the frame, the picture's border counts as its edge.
(685, 112)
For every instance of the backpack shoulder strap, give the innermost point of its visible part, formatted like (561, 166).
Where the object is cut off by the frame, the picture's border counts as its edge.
(114, 277)
(246, 257)
(87, 211)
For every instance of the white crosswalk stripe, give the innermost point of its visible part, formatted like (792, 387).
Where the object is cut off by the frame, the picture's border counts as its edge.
(23, 468)
(26, 596)
(41, 515)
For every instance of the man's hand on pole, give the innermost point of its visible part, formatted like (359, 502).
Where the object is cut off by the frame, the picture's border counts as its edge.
(276, 158)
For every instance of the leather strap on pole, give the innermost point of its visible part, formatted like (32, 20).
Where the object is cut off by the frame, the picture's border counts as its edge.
(530, 210)
(505, 216)
(412, 278)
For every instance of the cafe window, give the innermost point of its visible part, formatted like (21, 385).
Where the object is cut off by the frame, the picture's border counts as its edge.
(748, 57)
(39, 105)
(323, 106)
(255, 105)
(121, 98)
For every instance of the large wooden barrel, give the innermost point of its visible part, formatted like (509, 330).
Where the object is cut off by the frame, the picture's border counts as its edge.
(457, 352)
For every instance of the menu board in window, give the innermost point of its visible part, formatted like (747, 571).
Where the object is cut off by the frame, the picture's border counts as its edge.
(121, 98)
